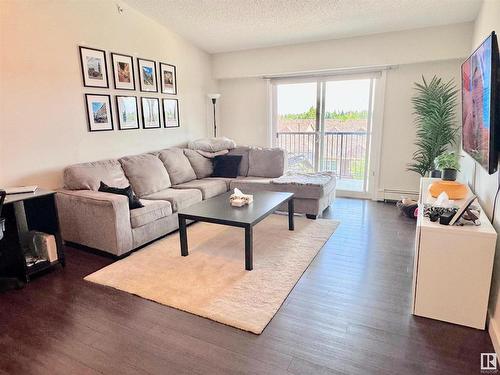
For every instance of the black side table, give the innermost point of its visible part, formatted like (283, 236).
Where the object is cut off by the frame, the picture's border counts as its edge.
(34, 212)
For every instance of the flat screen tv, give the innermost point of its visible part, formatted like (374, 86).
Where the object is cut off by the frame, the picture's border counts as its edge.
(480, 120)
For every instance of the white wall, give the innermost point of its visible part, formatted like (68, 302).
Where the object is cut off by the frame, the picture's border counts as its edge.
(398, 127)
(244, 102)
(243, 110)
(403, 47)
(486, 185)
(43, 125)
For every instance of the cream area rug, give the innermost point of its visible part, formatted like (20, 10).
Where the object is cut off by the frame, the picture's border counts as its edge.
(211, 281)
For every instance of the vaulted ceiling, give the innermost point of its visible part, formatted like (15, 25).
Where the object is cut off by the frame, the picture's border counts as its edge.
(229, 25)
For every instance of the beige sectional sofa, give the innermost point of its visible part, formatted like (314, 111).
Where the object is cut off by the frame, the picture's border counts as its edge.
(165, 181)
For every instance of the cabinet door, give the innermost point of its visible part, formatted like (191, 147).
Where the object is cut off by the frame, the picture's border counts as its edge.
(454, 275)
(11, 254)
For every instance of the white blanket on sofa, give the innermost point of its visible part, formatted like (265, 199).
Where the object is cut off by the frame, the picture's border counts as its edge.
(297, 178)
(212, 144)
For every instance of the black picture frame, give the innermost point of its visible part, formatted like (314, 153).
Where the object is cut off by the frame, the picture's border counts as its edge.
(177, 113)
(90, 123)
(174, 69)
(142, 113)
(139, 75)
(82, 65)
(132, 71)
(117, 97)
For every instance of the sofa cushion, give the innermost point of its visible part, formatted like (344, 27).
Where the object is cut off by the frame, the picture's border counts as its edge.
(266, 162)
(152, 210)
(146, 173)
(178, 166)
(88, 176)
(179, 198)
(252, 184)
(243, 151)
(202, 165)
(226, 180)
(209, 188)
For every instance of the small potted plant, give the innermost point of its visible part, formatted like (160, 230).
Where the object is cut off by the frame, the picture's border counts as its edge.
(449, 164)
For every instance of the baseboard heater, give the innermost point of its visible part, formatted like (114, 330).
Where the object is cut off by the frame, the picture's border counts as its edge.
(396, 194)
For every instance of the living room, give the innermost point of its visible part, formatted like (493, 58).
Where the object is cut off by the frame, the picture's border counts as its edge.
(213, 185)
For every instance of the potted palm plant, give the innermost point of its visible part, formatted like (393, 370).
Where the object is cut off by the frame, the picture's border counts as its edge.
(448, 163)
(434, 107)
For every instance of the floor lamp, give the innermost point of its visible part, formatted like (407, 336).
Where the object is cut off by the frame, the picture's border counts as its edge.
(214, 98)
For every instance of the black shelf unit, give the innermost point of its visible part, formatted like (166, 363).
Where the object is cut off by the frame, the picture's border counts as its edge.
(39, 212)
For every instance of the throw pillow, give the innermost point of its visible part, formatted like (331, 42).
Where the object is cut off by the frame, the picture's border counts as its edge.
(133, 201)
(227, 166)
(212, 155)
(243, 151)
(202, 166)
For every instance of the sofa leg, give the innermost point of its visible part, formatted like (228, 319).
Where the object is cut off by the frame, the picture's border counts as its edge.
(312, 217)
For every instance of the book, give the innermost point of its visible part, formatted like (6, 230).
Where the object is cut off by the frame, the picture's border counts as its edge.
(21, 189)
(45, 246)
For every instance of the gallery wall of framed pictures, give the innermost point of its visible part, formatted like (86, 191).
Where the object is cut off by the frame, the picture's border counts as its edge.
(154, 78)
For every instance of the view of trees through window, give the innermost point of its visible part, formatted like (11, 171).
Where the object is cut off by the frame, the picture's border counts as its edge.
(342, 148)
(334, 121)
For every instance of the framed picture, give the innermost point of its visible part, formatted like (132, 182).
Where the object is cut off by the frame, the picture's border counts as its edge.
(123, 71)
(147, 75)
(462, 209)
(168, 79)
(150, 113)
(99, 112)
(94, 68)
(171, 113)
(128, 112)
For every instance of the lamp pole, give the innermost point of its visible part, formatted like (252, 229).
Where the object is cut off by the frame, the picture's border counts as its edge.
(214, 100)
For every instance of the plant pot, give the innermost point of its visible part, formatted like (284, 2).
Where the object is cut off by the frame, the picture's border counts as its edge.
(453, 189)
(436, 173)
(449, 174)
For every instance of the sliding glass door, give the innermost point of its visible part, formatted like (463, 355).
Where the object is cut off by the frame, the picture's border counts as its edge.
(346, 132)
(325, 125)
(297, 126)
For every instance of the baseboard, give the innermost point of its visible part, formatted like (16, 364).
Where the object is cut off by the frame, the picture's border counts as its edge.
(395, 194)
(494, 334)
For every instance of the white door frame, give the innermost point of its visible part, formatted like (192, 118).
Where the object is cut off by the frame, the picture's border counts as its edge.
(377, 135)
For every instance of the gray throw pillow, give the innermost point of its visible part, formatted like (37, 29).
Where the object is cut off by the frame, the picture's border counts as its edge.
(178, 165)
(243, 151)
(88, 176)
(202, 166)
(146, 173)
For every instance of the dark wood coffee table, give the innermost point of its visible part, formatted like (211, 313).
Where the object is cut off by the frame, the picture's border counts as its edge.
(218, 210)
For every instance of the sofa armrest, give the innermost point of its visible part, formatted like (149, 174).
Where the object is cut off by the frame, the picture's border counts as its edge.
(95, 219)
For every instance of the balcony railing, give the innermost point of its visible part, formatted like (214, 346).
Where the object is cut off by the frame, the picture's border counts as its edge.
(342, 152)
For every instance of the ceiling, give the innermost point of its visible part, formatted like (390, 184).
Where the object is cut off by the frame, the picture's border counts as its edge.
(229, 25)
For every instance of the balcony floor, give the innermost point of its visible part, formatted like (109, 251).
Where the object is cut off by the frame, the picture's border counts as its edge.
(349, 184)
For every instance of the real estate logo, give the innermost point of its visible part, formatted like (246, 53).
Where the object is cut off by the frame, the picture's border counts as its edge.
(488, 363)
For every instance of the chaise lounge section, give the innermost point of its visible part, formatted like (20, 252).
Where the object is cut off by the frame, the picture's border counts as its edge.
(165, 181)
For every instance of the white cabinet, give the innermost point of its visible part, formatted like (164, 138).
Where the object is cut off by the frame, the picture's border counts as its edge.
(452, 268)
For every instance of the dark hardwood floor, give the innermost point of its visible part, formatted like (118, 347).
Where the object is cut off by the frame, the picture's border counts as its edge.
(348, 314)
